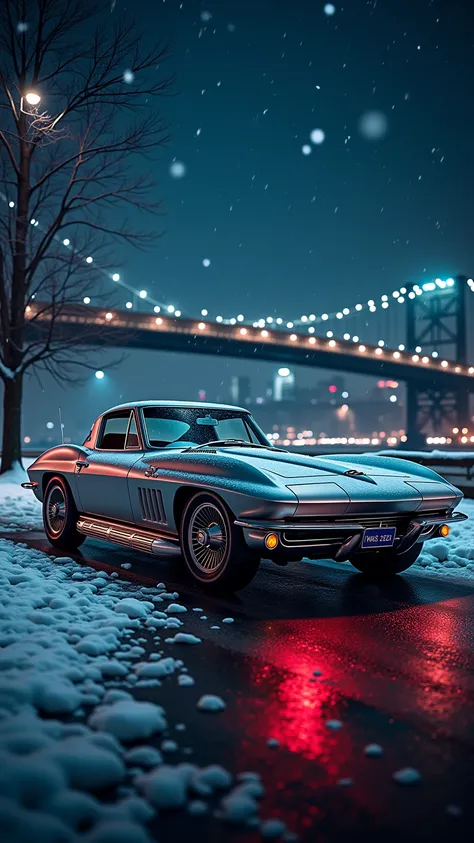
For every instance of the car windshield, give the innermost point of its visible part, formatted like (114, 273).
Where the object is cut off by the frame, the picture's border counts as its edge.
(168, 426)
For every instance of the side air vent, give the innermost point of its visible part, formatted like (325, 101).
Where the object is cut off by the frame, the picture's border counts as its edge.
(151, 505)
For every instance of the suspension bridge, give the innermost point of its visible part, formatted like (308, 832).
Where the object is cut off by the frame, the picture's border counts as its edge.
(417, 334)
(432, 360)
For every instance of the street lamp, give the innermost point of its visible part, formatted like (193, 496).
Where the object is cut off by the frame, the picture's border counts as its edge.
(32, 98)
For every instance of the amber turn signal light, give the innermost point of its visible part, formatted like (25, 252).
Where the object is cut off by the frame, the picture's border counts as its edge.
(444, 530)
(271, 541)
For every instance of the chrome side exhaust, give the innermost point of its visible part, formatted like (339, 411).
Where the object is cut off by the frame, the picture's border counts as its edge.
(128, 536)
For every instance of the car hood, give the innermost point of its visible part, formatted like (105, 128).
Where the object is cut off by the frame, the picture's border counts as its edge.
(295, 466)
(328, 485)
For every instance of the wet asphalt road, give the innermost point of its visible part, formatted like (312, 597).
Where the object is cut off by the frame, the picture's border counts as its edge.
(397, 669)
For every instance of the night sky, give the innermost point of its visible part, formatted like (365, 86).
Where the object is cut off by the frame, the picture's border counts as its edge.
(285, 232)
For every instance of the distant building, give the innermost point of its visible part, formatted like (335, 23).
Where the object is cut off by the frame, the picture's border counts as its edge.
(284, 385)
(241, 390)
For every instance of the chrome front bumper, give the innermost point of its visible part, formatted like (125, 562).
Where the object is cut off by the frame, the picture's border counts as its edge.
(338, 539)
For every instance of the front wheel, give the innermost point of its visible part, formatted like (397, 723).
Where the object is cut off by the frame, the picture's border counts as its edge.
(213, 548)
(379, 564)
(60, 516)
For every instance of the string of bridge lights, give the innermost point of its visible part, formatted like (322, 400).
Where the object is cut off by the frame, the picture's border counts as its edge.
(398, 296)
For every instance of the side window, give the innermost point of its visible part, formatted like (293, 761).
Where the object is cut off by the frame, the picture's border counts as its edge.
(132, 435)
(114, 431)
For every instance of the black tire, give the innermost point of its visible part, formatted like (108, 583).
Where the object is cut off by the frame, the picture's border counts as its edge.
(213, 548)
(380, 564)
(60, 515)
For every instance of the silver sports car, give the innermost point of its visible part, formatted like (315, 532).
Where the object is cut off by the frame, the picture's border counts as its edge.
(203, 483)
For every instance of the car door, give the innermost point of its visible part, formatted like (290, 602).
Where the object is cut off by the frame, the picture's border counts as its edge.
(102, 478)
(151, 500)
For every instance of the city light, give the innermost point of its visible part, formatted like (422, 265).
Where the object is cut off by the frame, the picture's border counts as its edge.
(99, 374)
(129, 305)
(66, 242)
(115, 277)
(202, 326)
(109, 316)
(89, 259)
(86, 300)
(143, 294)
(284, 372)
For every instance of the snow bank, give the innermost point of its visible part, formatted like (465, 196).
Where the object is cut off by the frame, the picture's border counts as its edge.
(68, 636)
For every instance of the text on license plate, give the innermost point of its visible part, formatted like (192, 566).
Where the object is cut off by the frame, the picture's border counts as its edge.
(378, 537)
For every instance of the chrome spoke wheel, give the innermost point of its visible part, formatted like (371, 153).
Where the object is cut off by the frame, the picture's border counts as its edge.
(208, 538)
(56, 510)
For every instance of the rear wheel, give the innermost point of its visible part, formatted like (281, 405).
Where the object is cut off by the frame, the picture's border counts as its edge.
(60, 516)
(213, 548)
(379, 564)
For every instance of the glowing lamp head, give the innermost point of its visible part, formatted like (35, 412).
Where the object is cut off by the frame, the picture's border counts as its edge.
(444, 530)
(271, 541)
(32, 98)
(99, 375)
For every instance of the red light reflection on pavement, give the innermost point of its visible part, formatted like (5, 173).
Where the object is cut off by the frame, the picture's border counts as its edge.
(402, 661)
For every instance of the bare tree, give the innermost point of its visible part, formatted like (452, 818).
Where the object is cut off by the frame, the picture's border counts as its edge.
(78, 126)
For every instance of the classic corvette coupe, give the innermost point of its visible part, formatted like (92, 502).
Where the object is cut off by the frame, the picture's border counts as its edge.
(203, 483)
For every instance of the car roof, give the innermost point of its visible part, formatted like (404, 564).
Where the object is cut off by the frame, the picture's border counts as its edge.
(180, 405)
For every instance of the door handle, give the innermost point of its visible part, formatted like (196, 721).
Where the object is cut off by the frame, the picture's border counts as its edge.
(81, 464)
(149, 472)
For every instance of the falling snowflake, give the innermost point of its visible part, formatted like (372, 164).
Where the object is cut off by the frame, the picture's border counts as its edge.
(373, 125)
(206, 16)
(231, 27)
(198, 132)
(206, 262)
(22, 26)
(128, 76)
(306, 149)
(177, 169)
(317, 136)
(329, 9)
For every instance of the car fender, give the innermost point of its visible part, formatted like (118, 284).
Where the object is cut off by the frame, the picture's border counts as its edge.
(60, 459)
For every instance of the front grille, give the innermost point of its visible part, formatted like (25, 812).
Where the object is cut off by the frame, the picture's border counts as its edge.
(151, 505)
(334, 535)
(313, 537)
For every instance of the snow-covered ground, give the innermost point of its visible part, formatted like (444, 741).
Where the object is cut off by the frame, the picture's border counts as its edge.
(71, 655)
(19, 509)
(71, 650)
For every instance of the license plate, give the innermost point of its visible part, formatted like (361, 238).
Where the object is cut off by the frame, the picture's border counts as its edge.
(378, 537)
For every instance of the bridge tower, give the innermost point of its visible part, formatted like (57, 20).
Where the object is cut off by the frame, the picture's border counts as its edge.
(437, 320)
